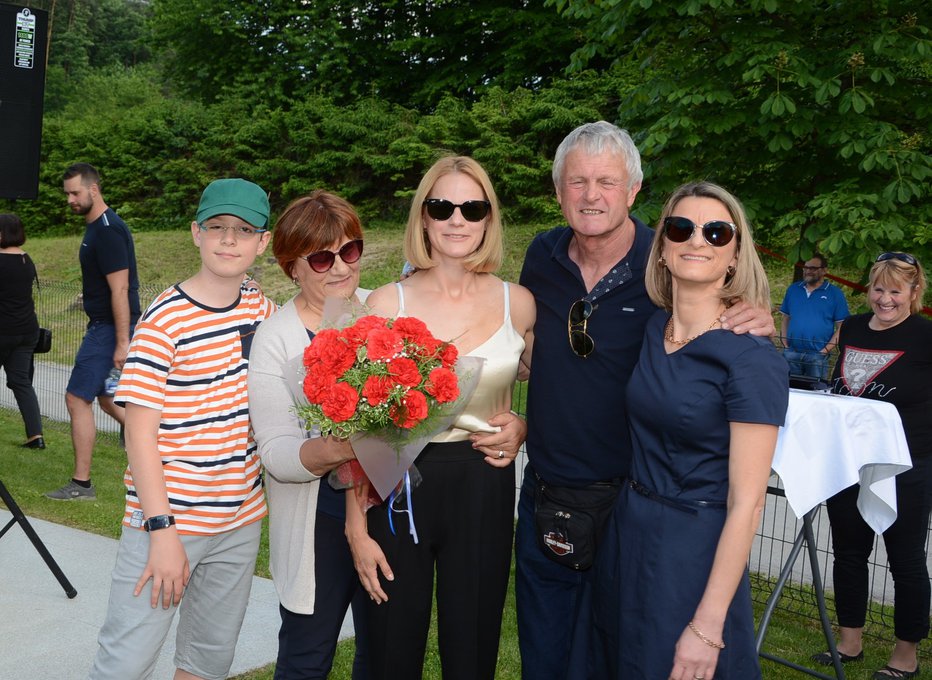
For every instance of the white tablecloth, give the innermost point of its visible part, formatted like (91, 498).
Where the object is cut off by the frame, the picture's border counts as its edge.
(830, 442)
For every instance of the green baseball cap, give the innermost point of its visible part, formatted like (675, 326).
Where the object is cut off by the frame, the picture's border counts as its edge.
(235, 197)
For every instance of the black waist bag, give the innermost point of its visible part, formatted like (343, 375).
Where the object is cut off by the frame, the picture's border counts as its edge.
(570, 522)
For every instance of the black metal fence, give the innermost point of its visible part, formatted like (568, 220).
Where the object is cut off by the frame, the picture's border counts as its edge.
(59, 308)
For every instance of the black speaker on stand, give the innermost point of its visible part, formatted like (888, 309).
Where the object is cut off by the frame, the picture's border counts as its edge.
(23, 40)
(23, 521)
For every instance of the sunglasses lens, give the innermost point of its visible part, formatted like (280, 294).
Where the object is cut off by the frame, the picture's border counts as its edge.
(351, 252)
(474, 211)
(439, 209)
(580, 311)
(677, 229)
(322, 261)
(718, 233)
(581, 343)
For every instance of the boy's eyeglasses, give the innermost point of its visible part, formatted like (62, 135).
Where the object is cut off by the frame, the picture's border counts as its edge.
(243, 231)
(472, 211)
(716, 233)
(322, 261)
(581, 342)
(902, 257)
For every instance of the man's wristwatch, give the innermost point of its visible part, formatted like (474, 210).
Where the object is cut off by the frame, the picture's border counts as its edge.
(159, 522)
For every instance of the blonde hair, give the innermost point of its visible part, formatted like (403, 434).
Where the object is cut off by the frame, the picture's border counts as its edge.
(488, 256)
(748, 282)
(896, 273)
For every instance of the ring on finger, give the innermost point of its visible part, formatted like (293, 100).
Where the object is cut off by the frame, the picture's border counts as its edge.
(501, 454)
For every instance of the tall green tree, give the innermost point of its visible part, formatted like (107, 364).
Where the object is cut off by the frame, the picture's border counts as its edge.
(89, 35)
(407, 52)
(816, 114)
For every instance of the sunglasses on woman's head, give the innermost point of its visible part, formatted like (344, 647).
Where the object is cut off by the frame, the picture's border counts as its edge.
(322, 261)
(716, 233)
(902, 257)
(472, 211)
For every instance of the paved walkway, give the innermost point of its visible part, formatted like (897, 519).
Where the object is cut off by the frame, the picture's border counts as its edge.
(46, 636)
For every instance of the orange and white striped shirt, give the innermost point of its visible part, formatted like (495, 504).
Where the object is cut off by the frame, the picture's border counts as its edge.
(189, 362)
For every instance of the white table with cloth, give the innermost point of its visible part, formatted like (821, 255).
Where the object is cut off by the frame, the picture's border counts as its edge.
(828, 443)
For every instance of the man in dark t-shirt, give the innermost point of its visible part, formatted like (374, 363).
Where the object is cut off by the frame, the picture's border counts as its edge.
(110, 288)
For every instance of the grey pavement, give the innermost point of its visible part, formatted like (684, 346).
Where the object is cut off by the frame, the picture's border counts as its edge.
(46, 636)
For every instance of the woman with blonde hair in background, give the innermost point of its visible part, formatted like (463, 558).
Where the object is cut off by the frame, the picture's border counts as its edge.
(886, 354)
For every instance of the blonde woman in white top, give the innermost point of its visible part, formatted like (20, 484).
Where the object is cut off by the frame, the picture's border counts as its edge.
(464, 508)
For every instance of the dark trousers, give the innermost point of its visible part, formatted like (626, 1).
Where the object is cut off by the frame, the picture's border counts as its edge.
(463, 512)
(306, 642)
(853, 541)
(16, 359)
(554, 603)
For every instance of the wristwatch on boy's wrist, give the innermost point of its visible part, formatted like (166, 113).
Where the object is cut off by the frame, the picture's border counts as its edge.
(159, 522)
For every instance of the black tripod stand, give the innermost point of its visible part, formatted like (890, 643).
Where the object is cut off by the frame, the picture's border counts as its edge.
(18, 516)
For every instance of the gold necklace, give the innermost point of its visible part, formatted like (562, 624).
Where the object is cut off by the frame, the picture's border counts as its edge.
(668, 332)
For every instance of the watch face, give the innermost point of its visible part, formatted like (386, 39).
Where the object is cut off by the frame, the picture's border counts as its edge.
(159, 522)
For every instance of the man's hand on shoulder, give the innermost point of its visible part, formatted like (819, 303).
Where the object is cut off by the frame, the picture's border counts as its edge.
(742, 318)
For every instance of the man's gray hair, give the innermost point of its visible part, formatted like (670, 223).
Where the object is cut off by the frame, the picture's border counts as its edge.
(594, 138)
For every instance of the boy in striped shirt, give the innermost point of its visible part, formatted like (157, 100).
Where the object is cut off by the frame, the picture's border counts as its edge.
(194, 496)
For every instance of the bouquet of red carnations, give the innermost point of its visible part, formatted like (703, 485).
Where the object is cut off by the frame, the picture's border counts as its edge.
(377, 374)
(388, 384)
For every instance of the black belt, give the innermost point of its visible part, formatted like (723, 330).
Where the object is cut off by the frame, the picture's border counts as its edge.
(692, 507)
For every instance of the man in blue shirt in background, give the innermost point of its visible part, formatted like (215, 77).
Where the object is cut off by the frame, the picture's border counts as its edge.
(813, 310)
(110, 293)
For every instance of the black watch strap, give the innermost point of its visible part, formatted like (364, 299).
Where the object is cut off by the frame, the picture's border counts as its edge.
(159, 522)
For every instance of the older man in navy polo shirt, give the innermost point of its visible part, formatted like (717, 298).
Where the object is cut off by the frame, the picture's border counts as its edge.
(577, 420)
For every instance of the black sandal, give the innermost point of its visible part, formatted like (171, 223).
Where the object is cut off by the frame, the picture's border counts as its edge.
(825, 658)
(891, 673)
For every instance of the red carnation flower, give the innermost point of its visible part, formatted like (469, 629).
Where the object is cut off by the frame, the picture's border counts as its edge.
(317, 384)
(382, 344)
(412, 329)
(357, 333)
(340, 402)
(448, 355)
(442, 385)
(331, 350)
(411, 411)
(431, 346)
(404, 372)
(376, 389)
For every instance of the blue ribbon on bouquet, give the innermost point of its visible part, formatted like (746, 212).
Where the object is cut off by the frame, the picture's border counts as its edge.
(406, 485)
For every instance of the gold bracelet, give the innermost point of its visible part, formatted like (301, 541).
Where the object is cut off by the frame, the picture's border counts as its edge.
(701, 636)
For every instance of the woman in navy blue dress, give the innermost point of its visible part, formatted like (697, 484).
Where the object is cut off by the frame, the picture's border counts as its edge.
(672, 593)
